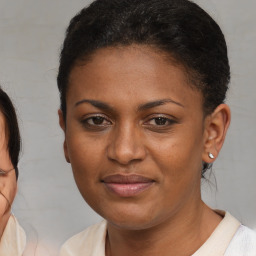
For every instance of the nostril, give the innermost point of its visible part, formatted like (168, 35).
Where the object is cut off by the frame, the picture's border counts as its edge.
(124, 154)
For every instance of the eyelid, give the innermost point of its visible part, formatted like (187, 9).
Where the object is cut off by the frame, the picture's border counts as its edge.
(88, 116)
(4, 173)
(168, 117)
(160, 128)
(85, 118)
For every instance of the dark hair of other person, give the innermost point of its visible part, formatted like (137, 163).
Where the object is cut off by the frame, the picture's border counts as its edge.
(180, 29)
(12, 128)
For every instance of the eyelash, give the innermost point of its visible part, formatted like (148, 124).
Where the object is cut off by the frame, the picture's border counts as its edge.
(4, 173)
(92, 126)
(162, 118)
(86, 124)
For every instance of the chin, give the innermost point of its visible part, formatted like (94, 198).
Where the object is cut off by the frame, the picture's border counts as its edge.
(130, 217)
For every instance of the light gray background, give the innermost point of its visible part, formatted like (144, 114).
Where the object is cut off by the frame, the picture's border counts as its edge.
(48, 203)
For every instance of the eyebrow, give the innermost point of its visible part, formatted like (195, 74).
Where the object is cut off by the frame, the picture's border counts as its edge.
(95, 103)
(157, 103)
(148, 105)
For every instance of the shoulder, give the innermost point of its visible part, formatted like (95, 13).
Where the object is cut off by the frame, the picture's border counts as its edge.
(91, 241)
(13, 240)
(243, 243)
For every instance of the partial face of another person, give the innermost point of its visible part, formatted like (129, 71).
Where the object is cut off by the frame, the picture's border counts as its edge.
(8, 184)
(135, 136)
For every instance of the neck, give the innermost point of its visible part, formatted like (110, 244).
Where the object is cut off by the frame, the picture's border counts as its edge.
(182, 234)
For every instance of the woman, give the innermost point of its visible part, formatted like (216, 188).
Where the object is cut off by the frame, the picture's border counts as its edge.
(12, 236)
(142, 86)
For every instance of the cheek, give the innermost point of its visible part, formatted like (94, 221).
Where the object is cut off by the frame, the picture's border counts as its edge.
(179, 151)
(8, 188)
(178, 156)
(86, 157)
(180, 166)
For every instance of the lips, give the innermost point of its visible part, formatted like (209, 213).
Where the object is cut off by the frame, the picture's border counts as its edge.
(127, 185)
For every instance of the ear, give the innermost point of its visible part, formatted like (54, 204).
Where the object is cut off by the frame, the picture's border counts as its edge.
(216, 126)
(63, 127)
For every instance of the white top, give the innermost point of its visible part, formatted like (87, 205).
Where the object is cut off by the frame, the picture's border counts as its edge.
(230, 238)
(13, 240)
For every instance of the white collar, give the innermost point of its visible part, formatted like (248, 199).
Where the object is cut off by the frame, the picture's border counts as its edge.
(13, 240)
(91, 241)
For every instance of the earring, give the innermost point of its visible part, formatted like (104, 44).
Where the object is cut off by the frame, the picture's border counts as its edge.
(211, 155)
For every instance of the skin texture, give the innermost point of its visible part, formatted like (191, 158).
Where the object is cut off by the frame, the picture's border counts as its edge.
(8, 184)
(165, 143)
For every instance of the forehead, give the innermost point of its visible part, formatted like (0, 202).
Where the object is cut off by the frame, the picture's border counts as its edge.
(130, 73)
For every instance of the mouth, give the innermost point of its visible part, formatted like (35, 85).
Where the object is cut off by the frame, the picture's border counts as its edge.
(127, 185)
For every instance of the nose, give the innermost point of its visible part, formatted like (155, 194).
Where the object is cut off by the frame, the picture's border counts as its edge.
(126, 145)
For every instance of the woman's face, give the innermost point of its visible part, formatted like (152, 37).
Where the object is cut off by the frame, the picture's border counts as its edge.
(134, 135)
(8, 185)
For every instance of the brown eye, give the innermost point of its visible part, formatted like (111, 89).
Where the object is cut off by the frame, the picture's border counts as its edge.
(97, 120)
(160, 121)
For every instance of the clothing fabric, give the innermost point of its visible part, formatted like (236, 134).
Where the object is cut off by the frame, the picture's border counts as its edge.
(243, 243)
(13, 240)
(230, 238)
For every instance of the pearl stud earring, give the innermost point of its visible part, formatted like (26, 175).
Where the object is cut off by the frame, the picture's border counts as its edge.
(211, 155)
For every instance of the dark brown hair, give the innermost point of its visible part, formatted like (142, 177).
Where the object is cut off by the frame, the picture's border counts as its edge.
(14, 140)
